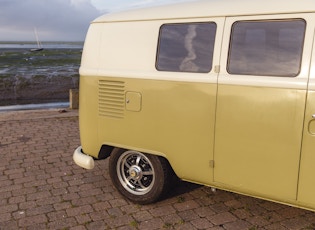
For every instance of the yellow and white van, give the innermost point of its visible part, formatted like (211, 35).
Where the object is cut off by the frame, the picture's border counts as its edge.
(219, 92)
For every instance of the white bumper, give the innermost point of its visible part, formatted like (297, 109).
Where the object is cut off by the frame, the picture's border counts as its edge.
(83, 160)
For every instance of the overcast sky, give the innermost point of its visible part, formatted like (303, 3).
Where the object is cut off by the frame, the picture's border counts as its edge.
(58, 20)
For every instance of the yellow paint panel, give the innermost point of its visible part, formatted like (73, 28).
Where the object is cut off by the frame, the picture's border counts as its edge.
(258, 138)
(176, 121)
(88, 112)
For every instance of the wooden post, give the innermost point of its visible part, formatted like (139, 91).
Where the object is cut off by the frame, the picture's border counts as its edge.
(74, 98)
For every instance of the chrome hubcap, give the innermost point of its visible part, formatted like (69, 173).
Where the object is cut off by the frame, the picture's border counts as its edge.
(135, 172)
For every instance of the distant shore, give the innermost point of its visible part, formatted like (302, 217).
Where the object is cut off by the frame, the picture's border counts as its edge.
(38, 77)
(46, 44)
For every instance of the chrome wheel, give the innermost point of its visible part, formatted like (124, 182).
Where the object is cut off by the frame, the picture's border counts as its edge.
(142, 178)
(135, 172)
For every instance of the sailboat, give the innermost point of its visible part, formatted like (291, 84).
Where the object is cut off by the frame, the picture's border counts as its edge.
(39, 44)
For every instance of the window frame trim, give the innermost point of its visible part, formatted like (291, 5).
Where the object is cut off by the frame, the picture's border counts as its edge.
(267, 20)
(185, 23)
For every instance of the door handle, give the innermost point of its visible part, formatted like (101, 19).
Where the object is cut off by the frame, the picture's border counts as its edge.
(313, 116)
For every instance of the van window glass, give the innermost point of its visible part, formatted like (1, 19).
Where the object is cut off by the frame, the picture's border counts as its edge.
(270, 48)
(186, 47)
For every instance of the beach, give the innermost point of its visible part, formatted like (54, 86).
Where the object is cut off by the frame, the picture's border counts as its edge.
(38, 77)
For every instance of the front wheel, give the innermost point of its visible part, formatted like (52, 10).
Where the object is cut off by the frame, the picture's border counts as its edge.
(140, 177)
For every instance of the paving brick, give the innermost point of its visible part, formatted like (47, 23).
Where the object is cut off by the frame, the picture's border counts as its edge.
(27, 205)
(155, 223)
(173, 219)
(101, 206)
(70, 196)
(115, 212)
(162, 211)
(142, 216)
(204, 212)
(186, 205)
(39, 210)
(20, 190)
(8, 208)
(259, 221)
(219, 207)
(118, 202)
(35, 183)
(83, 219)
(56, 215)
(12, 188)
(28, 221)
(201, 223)
(15, 176)
(130, 208)
(188, 215)
(275, 226)
(59, 191)
(63, 223)
(222, 218)
(79, 210)
(288, 212)
(14, 171)
(9, 225)
(16, 199)
(239, 225)
(99, 215)
(5, 195)
(5, 217)
(115, 222)
(296, 223)
(38, 195)
(93, 226)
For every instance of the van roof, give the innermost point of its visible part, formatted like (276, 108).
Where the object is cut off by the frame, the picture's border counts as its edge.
(211, 8)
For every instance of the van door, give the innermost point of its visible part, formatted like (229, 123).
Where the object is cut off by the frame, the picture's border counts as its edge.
(307, 170)
(260, 105)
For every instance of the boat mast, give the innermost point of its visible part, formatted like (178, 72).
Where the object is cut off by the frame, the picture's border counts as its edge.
(39, 44)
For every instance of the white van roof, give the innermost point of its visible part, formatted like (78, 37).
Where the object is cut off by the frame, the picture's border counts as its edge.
(211, 8)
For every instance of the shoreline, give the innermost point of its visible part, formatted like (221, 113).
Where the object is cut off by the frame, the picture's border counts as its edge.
(43, 106)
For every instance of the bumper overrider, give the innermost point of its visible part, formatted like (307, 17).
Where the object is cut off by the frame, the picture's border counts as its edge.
(82, 159)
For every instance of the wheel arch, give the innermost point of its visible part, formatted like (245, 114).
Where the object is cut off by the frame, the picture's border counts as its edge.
(107, 149)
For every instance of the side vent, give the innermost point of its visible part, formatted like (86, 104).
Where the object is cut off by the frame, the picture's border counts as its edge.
(111, 98)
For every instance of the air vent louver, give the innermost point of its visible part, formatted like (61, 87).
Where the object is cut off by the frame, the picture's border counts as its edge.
(111, 98)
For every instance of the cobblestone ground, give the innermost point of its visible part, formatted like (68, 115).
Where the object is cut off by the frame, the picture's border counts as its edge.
(41, 188)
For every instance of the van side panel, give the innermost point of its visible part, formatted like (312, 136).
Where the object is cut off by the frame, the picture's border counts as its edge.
(175, 120)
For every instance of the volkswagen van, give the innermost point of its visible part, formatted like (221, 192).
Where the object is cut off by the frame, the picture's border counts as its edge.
(219, 93)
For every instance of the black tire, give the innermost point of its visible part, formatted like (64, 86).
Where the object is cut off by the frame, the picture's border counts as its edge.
(141, 178)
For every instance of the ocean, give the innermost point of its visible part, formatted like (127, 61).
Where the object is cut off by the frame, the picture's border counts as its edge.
(38, 77)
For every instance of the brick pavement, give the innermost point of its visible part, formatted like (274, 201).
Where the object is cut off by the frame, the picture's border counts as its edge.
(41, 188)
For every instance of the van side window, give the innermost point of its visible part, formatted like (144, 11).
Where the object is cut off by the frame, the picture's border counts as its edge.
(269, 48)
(186, 47)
